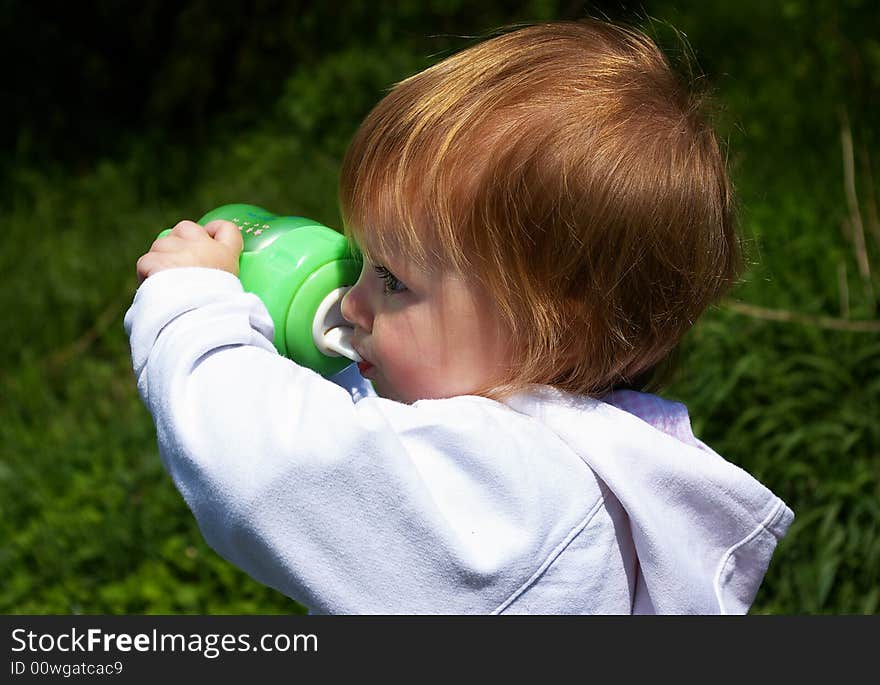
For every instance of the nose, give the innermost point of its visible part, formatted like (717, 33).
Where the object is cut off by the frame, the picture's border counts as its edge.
(355, 307)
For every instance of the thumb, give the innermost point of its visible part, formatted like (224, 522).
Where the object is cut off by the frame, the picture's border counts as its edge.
(225, 232)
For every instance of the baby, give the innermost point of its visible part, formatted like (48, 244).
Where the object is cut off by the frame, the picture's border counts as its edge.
(542, 216)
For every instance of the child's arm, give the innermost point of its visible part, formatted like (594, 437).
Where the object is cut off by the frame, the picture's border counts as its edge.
(374, 507)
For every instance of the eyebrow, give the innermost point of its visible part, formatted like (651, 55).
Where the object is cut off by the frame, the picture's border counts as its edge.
(367, 249)
(374, 254)
(403, 269)
(400, 265)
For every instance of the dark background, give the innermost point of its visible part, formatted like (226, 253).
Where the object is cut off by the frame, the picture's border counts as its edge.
(119, 119)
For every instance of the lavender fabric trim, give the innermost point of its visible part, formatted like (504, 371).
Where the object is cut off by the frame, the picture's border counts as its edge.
(670, 417)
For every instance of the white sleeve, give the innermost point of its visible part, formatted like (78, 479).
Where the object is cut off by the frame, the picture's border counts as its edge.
(367, 507)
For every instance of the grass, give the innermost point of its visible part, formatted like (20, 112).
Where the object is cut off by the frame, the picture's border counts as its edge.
(89, 520)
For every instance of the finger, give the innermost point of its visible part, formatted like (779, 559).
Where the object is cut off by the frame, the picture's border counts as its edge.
(188, 230)
(167, 243)
(225, 232)
(144, 267)
(153, 262)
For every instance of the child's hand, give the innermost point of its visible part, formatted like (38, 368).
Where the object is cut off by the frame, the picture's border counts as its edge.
(216, 246)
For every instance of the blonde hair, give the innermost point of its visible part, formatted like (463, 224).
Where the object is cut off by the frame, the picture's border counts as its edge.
(569, 172)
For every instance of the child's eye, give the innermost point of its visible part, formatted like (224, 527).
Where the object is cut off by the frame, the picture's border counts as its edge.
(392, 283)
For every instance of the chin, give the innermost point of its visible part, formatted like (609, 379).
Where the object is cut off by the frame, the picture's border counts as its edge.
(391, 394)
(409, 395)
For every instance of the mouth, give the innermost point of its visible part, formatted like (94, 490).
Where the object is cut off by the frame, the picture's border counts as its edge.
(363, 365)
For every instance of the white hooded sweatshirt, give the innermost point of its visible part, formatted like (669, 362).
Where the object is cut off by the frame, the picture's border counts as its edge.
(548, 503)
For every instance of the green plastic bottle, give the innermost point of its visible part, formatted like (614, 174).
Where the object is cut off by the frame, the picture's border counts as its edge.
(300, 269)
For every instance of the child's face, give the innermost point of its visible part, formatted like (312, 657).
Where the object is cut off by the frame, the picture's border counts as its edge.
(423, 336)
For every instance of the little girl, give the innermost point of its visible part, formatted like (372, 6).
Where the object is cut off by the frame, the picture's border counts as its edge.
(542, 216)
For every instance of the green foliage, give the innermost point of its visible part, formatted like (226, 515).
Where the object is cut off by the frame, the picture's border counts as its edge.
(798, 412)
(90, 522)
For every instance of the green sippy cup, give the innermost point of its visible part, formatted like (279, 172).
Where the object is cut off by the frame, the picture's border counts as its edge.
(300, 269)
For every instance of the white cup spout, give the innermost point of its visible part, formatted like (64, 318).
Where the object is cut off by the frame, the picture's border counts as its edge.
(338, 340)
(331, 333)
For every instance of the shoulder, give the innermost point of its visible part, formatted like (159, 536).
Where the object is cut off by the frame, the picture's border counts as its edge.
(491, 465)
(472, 427)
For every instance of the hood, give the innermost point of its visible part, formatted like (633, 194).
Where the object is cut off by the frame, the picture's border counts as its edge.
(703, 529)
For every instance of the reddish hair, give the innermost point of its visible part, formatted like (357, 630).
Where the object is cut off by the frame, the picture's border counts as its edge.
(570, 173)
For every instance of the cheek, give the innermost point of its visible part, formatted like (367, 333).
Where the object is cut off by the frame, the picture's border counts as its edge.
(411, 359)
(399, 348)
